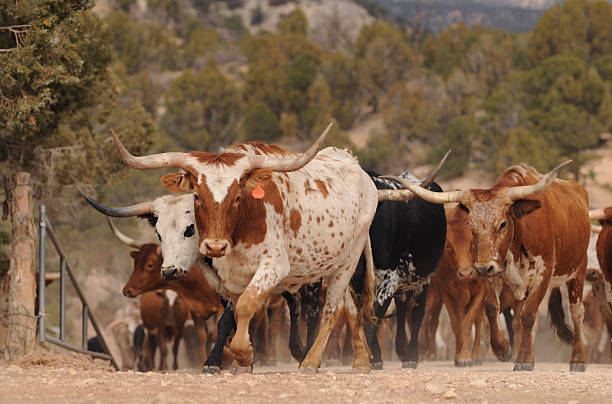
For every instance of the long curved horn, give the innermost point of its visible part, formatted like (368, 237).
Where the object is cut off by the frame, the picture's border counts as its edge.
(598, 214)
(428, 180)
(292, 163)
(130, 242)
(395, 195)
(595, 228)
(172, 159)
(435, 197)
(127, 211)
(434, 173)
(524, 191)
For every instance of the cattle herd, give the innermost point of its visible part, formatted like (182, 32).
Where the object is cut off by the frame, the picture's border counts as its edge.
(256, 227)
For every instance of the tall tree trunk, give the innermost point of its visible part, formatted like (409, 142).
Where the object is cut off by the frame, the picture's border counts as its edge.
(21, 335)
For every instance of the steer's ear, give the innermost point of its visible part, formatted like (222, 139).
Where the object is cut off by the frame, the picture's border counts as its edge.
(256, 177)
(523, 207)
(176, 183)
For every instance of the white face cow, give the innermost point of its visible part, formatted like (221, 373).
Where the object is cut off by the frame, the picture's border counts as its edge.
(174, 222)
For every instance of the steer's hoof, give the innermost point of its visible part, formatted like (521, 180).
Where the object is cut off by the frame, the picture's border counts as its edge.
(307, 371)
(577, 367)
(463, 363)
(505, 357)
(523, 367)
(242, 370)
(211, 370)
(477, 362)
(377, 365)
(410, 364)
(265, 362)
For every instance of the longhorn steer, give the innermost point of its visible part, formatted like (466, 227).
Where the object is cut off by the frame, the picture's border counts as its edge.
(277, 220)
(407, 244)
(174, 223)
(534, 244)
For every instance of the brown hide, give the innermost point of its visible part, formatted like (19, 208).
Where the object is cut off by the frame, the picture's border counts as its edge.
(196, 295)
(461, 292)
(604, 245)
(549, 231)
(563, 212)
(199, 296)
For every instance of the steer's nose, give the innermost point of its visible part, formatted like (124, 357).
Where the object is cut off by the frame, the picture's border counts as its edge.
(465, 273)
(128, 292)
(171, 273)
(216, 248)
(483, 270)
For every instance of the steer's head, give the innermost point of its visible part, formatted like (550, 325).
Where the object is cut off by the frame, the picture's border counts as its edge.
(225, 186)
(223, 196)
(146, 275)
(147, 263)
(174, 222)
(490, 216)
(460, 243)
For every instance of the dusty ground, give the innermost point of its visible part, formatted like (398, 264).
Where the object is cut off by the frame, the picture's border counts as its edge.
(52, 379)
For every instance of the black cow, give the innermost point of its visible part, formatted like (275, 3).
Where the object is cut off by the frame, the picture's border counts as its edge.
(408, 240)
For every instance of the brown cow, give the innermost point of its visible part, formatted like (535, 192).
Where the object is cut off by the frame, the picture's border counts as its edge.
(197, 295)
(462, 294)
(155, 309)
(533, 230)
(604, 246)
(599, 284)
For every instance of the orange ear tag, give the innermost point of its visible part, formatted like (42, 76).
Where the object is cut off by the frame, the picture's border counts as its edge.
(258, 192)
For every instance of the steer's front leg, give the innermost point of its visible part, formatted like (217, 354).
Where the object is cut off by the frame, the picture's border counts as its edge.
(265, 279)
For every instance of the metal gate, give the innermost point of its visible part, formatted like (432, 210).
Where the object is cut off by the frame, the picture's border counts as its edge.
(47, 228)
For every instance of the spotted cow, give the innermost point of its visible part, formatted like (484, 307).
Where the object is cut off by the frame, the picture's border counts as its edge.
(276, 220)
(533, 231)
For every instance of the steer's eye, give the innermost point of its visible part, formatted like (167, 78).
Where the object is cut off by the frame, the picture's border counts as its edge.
(190, 231)
(502, 226)
(196, 197)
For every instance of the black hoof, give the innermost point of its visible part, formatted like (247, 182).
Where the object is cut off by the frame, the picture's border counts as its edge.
(463, 364)
(577, 367)
(410, 364)
(377, 366)
(523, 367)
(211, 370)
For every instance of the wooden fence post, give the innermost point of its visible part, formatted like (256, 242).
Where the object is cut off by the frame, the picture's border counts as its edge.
(21, 333)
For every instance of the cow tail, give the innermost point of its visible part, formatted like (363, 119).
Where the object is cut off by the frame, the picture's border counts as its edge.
(366, 309)
(557, 317)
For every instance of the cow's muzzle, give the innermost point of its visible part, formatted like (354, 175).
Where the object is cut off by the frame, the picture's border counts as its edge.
(215, 248)
(487, 269)
(129, 292)
(172, 273)
(463, 274)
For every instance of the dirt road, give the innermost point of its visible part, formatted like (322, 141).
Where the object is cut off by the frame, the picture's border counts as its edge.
(44, 381)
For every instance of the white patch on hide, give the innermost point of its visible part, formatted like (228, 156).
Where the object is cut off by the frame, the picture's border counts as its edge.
(171, 295)
(523, 275)
(387, 282)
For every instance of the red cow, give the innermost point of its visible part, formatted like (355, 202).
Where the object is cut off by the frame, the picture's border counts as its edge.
(197, 295)
(533, 230)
